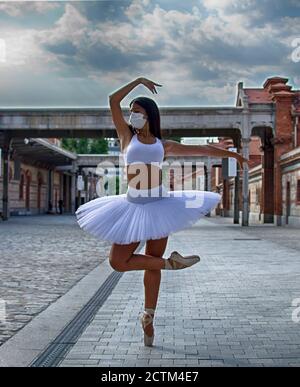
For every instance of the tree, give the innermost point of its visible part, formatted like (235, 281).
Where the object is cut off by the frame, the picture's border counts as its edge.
(85, 145)
(99, 145)
(173, 138)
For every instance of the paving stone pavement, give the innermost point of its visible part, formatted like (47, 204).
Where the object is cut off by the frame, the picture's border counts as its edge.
(41, 258)
(234, 308)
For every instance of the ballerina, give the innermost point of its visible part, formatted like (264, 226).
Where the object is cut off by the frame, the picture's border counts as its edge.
(148, 211)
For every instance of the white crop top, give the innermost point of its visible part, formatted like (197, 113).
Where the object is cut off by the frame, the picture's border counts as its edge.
(137, 152)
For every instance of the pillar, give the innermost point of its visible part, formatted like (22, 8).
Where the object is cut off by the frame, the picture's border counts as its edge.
(5, 195)
(68, 193)
(283, 142)
(208, 170)
(87, 181)
(245, 189)
(208, 179)
(267, 199)
(50, 189)
(236, 211)
(73, 187)
(79, 172)
(236, 207)
(226, 202)
(61, 185)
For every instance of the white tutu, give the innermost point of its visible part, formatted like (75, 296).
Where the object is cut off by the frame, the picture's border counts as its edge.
(140, 215)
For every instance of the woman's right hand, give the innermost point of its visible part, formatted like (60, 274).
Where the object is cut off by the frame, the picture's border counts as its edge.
(149, 84)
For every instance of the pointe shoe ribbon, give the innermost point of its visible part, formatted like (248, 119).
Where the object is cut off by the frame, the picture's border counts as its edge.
(146, 319)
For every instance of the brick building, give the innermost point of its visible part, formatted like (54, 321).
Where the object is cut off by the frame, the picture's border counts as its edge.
(274, 172)
(35, 184)
(41, 173)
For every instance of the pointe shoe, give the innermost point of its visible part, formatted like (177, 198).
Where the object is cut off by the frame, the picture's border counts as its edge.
(146, 319)
(177, 261)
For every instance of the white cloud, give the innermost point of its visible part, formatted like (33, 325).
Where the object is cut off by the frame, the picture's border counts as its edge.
(71, 26)
(18, 8)
(146, 30)
(221, 5)
(136, 9)
(22, 49)
(184, 48)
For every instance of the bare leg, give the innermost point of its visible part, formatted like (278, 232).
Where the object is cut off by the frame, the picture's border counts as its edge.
(152, 278)
(122, 259)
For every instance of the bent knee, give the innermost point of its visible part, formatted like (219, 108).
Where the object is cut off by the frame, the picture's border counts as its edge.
(117, 264)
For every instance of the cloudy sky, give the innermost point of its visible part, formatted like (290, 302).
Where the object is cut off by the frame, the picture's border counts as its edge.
(75, 53)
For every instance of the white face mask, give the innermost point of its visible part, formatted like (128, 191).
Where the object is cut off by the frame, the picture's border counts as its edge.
(137, 120)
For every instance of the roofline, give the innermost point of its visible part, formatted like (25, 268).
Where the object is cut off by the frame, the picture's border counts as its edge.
(55, 148)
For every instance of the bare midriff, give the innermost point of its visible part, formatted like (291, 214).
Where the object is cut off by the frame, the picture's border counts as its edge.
(144, 176)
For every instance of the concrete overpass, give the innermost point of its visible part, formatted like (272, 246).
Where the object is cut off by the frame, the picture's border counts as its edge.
(95, 122)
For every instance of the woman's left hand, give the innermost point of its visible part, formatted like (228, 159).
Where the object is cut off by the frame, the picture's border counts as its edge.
(149, 84)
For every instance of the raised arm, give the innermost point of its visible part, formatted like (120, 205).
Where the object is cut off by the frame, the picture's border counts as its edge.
(173, 148)
(115, 98)
(121, 124)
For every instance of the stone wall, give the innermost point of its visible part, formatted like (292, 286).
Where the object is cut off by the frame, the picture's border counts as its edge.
(255, 187)
(291, 177)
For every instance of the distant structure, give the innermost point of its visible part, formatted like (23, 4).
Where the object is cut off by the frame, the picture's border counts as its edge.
(274, 175)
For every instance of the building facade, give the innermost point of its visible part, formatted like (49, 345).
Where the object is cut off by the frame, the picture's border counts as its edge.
(274, 172)
(36, 186)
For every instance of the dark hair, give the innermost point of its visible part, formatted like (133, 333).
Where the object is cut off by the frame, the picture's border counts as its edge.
(152, 112)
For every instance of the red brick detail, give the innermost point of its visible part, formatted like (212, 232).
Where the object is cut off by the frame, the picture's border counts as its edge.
(258, 96)
(298, 192)
(273, 81)
(282, 142)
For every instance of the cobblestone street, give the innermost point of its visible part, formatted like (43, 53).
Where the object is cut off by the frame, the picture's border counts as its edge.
(41, 258)
(234, 308)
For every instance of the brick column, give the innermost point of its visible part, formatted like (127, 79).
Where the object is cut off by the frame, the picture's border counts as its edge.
(283, 142)
(226, 201)
(267, 193)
